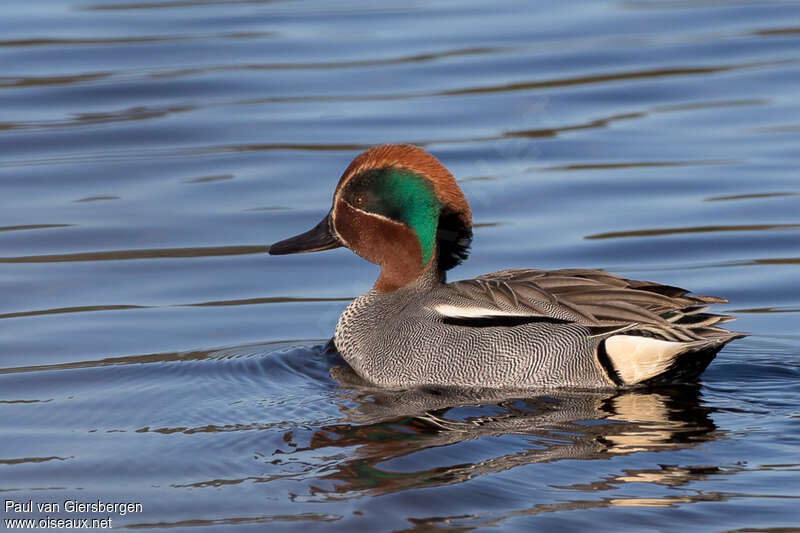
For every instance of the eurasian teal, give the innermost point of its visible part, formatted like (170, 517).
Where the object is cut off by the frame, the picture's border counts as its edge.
(397, 206)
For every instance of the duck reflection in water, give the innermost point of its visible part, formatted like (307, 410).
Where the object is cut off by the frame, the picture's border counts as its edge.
(382, 425)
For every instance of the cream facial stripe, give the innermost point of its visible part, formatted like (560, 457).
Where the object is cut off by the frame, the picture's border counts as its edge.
(351, 206)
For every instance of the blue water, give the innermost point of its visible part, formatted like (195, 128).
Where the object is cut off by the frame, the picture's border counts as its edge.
(150, 352)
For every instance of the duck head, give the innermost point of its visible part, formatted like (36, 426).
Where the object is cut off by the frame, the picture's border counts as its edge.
(398, 207)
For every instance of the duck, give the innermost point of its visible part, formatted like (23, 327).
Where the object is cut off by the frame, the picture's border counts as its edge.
(398, 207)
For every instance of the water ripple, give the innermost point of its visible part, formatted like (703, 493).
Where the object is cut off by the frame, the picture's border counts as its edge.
(693, 229)
(32, 460)
(34, 226)
(377, 62)
(125, 255)
(138, 338)
(77, 309)
(236, 520)
(751, 196)
(127, 40)
(36, 81)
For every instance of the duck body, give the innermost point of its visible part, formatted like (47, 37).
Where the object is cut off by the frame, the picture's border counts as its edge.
(399, 340)
(398, 207)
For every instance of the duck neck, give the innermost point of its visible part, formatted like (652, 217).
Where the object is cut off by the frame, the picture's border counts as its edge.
(395, 276)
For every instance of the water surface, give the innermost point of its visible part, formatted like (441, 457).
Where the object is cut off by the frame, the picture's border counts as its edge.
(151, 352)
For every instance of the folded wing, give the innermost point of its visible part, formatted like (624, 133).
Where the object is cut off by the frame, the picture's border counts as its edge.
(645, 327)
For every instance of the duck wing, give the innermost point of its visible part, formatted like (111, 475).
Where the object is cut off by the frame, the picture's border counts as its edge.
(644, 328)
(598, 300)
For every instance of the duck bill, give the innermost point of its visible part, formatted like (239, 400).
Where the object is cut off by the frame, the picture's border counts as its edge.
(318, 238)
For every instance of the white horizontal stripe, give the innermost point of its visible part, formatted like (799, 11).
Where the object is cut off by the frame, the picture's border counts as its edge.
(473, 312)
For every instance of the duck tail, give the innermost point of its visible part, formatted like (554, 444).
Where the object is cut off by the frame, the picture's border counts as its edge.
(644, 360)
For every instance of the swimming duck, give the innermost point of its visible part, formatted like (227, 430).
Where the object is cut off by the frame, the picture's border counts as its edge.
(397, 206)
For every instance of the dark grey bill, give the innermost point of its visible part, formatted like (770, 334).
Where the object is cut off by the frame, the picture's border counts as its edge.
(320, 237)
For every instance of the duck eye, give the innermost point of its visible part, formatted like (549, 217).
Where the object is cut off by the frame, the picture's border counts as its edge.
(359, 201)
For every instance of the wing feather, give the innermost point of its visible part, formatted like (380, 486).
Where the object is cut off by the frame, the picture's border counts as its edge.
(593, 298)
